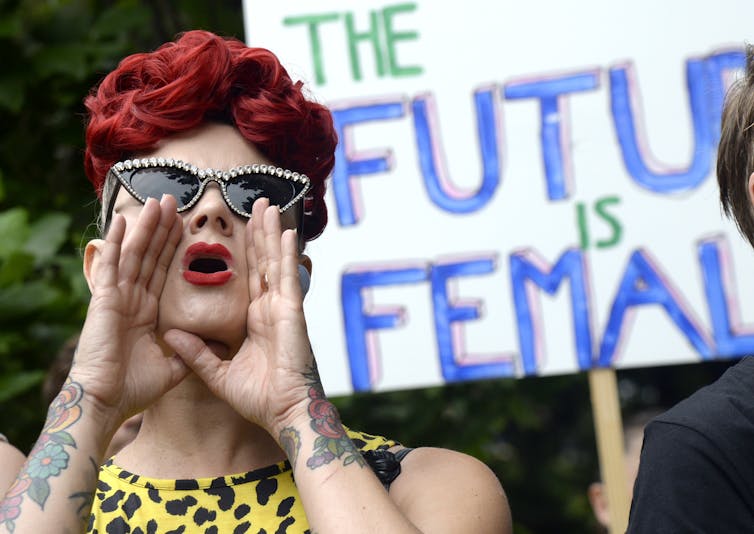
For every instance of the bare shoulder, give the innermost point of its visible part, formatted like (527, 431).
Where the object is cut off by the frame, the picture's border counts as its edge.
(11, 461)
(447, 491)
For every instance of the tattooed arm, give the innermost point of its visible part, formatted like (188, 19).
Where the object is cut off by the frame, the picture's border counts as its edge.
(57, 482)
(107, 382)
(438, 490)
(272, 381)
(11, 460)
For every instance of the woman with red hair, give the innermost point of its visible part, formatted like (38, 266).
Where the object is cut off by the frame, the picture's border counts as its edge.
(211, 165)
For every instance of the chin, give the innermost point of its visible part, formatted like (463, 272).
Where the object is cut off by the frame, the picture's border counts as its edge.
(211, 316)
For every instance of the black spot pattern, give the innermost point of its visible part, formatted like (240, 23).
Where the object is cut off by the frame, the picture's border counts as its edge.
(180, 506)
(186, 484)
(241, 511)
(111, 503)
(202, 515)
(284, 508)
(284, 524)
(260, 501)
(117, 526)
(359, 443)
(154, 495)
(132, 504)
(265, 489)
(226, 494)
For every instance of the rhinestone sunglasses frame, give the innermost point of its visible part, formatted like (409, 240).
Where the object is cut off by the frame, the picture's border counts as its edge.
(205, 176)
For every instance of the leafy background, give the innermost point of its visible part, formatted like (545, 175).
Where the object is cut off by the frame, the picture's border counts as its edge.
(535, 433)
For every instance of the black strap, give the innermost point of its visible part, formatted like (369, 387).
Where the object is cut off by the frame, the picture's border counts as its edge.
(385, 464)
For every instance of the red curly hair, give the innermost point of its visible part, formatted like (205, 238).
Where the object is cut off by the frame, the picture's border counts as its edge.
(200, 78)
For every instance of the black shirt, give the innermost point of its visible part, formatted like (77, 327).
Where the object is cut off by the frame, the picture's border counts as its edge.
(697, 463)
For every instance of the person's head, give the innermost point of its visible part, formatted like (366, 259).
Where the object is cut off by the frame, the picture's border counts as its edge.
(202, 78)
(735, 154)
(633, 437)
(214, 104)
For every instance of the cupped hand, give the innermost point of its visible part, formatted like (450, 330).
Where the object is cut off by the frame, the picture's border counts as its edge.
(118, 361)
(268, 381)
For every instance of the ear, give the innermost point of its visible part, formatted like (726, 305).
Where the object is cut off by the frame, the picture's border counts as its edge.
(598, 499)
(92, 254)
(304, 273)
(750, 188)
(306, 261)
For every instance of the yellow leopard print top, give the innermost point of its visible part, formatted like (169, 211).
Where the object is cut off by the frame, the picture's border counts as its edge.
(263, 501)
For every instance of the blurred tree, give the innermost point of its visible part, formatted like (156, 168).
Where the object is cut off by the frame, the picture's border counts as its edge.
(536, 433)
(53, 53)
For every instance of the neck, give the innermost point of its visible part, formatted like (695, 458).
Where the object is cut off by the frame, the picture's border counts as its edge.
(190, 433)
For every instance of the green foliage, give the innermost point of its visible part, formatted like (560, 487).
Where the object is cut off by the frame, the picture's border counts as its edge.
(53, 54)
(42, 302)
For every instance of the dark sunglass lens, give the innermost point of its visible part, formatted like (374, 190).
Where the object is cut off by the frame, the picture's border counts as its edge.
(156, 181)
(244, 190)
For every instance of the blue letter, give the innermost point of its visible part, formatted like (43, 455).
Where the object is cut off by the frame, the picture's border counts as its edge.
(347, 164)
(729, 343)
(717, 67)
(449, 335)
(358, 322)
(655, 177)
(550, 93)
(439, 187)
(526, 268)
(643, 285)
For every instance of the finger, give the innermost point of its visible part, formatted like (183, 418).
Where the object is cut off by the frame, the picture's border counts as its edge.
(198, 356)
(107, 274)
(289, 283)
(257, 225)
(157, 243)
(166, 256)
(255, 281)
(138, 239)
(172, 369)
(272, 246)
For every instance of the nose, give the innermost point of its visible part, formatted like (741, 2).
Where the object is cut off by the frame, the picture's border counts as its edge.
(211, 213)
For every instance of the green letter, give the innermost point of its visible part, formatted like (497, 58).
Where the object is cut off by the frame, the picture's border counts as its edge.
(600, 207)
(392, 36)
(373, 36)
(581, 223)
(313, 22)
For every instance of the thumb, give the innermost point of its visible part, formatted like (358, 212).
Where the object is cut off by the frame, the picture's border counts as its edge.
(199, 357)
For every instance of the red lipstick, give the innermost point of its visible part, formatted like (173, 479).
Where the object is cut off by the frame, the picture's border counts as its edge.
(207, 264)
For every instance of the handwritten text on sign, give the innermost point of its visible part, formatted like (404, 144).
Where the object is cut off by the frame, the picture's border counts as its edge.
(563, 206)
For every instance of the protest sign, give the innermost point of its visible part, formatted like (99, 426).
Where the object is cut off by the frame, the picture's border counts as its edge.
(520, 188)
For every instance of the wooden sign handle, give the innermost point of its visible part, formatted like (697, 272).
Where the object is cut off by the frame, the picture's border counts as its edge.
(608, 428)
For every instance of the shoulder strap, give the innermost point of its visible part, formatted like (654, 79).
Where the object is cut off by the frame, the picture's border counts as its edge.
(385, 464)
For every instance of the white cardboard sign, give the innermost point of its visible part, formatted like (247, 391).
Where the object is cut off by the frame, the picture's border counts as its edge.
(521, 188)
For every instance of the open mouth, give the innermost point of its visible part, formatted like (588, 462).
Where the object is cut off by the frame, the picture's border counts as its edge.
(206, 264)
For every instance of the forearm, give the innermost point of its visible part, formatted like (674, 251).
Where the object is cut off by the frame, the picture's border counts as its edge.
(338, 489)
(11, 460)
(54, 490)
